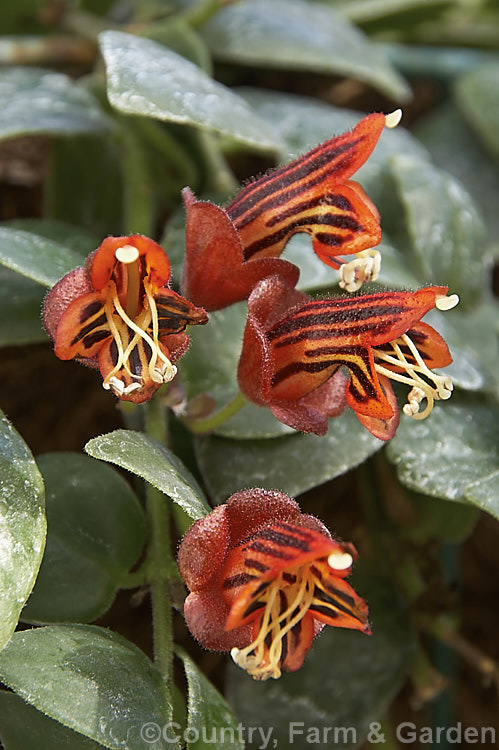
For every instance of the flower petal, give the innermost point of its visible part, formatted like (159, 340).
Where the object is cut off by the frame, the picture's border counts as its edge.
(304, 196)
(175, 312)
(83, 328)
(335, 602)
(155, 263)
(384, 429)
(215, 274)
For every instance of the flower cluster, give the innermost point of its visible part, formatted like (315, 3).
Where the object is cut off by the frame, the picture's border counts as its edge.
(265, 579)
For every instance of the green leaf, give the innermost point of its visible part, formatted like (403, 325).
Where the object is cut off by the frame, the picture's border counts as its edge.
(145, 78)
(20, 304)
(299, 35)
(208, 712)
(89, 679)
(40, 101)
(145, 457)
(22, 727)
(61, 232)
(22, 526)
(446, 233)
(477, 95)
(35, 256)
(292, 464)
(453, 454)
(96, 532)
(455, 147)
(347, 681)
(220, 345)
(435, 518)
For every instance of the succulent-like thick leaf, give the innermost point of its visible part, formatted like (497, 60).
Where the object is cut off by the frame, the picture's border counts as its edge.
(146, 78)
(347, 681)
(292, 464)
(22, 526)
(453, 454)
(39, 101)
(22, 727)
(145, 457)
(444, 228)
(298, 35)
(96, 532)
(208, 713)
(35, 256)
(20, 304)
(91, 680)
(477, 95)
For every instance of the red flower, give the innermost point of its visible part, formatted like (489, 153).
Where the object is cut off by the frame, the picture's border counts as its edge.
(264, 579)
(118, 314)
(229, 251)
(294, 348)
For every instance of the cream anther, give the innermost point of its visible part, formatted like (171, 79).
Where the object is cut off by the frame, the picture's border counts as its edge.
(339, 560)
(364, 268)
(126, 254)
(393, 119)
(447, 303)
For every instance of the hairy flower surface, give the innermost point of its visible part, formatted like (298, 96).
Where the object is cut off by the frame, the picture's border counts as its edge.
(229, 251)
(264, 579)
(118, 314)
(295, 350)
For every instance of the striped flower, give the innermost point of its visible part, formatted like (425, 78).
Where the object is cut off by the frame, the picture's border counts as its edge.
(295, 351)
(264, 580)
(118, 314)
(229, 251)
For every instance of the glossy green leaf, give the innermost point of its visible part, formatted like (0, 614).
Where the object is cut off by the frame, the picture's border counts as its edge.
(91, 680)
(146, 78)
(20, 304)
(40, 101)
(209, 715)
(62, 232)
(454, 146)
(96, 532)
(477, 94)
(347, 681)
(22, 526)
(145, 457)
(35, 256)
(446, 233)
(453, 454)
(22, 727)
(297, 35)
(292, 464)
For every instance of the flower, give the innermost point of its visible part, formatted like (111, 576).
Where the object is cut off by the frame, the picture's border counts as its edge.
(229, 251)
(118, 314)
(294, 347)
(264, 579)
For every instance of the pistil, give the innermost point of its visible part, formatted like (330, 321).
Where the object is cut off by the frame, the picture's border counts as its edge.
(128, 256)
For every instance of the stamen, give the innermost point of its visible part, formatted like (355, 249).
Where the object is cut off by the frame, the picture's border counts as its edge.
(446, 303)
(393, 119)
(421, 389)
(259, 660)
(127, 254)
(364, 268)
(339, 560)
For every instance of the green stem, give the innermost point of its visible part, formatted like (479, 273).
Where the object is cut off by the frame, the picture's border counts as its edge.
(219, 417)
(200, 13)
(159, 560)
